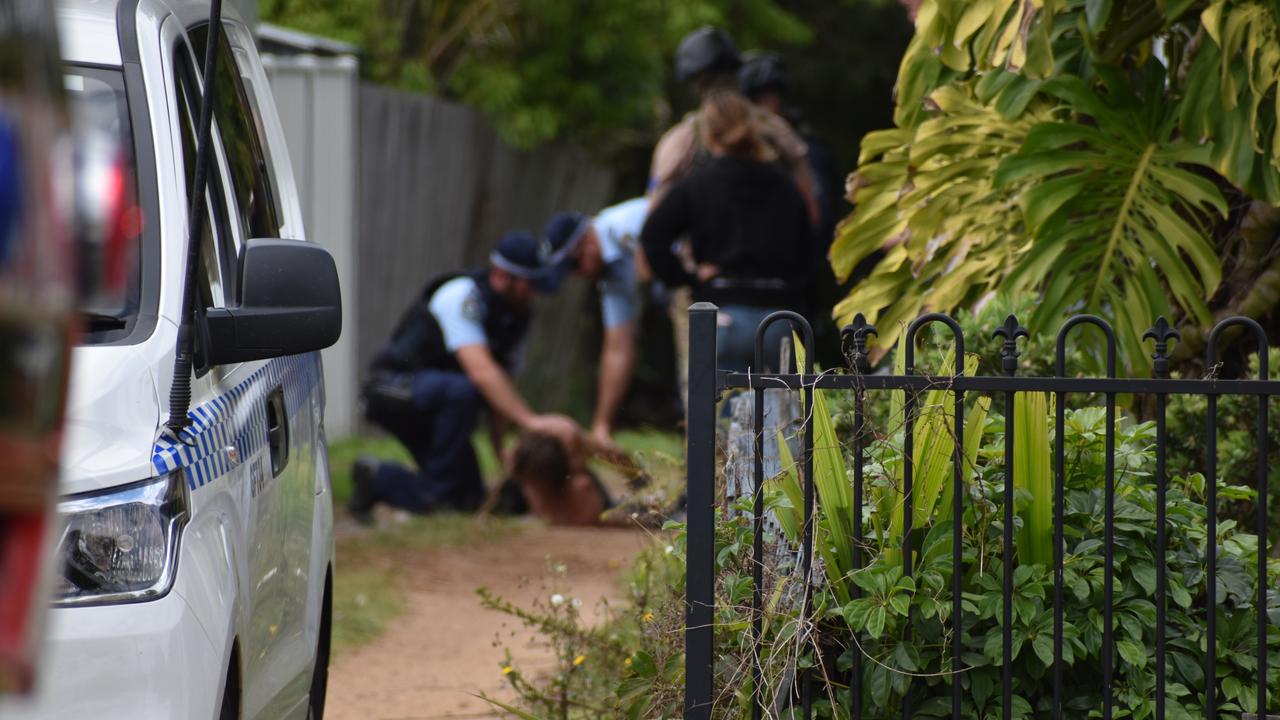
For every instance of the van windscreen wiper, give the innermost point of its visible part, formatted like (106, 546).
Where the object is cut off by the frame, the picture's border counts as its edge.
(180, 390)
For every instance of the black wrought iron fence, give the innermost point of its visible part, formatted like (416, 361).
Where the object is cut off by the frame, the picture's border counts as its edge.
(707, 384)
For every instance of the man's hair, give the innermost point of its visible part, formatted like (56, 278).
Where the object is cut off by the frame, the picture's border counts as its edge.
(542, 460)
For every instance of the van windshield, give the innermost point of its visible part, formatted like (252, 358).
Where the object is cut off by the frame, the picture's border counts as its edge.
(108, 218)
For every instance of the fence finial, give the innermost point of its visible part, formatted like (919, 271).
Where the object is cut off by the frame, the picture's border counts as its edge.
(854, 339)
(1162, 332)
(1010, 331)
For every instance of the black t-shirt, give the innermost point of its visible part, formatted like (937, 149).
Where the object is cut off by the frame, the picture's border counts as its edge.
(745, 217)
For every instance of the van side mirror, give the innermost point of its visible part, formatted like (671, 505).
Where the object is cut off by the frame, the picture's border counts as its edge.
(290, 303)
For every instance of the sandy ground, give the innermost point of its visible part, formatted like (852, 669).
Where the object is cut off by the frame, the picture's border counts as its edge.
(445, 647)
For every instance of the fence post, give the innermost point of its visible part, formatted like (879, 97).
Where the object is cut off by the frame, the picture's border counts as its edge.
(700, 578)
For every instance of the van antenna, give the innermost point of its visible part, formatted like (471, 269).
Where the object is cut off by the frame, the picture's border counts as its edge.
(180, 390)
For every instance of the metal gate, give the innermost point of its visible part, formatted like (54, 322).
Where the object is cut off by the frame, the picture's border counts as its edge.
(707, 383)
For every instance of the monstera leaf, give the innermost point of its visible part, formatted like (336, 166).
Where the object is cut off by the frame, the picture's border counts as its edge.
(1231, 98)
(1115, 214)
(928, 195)
(1043, 147)
(958, 36)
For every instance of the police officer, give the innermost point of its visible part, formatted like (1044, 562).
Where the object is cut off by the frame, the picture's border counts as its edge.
(764, 81)
(603, 250)
(707, 61)
(454, 352)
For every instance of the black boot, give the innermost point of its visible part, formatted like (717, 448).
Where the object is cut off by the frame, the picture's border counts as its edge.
(360, 505)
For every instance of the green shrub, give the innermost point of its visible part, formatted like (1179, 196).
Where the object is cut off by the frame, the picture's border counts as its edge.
(903, 624)
(917, 664)
(1237, 443)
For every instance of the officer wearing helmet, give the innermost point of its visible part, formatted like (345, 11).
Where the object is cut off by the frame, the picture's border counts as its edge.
(763, 79)
(707, 60)
(453, 353)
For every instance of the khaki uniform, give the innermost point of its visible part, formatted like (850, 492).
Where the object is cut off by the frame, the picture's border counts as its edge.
(675, 156)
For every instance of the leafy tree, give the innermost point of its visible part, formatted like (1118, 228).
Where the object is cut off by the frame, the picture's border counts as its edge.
(593, 70)
(1120, 157)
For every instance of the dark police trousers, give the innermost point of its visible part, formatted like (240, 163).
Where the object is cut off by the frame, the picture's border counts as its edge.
(436, 427)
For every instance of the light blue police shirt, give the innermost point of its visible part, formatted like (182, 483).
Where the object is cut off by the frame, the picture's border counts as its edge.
(618, 228)
(459, 308)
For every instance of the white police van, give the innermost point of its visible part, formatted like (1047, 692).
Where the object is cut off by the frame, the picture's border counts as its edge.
(194, 562)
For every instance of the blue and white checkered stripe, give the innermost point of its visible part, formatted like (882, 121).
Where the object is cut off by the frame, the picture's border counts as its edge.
(237, 418)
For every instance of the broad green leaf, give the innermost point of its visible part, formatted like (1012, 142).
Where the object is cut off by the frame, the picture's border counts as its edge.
(1097, 12)
(1043, 645)
(1132, 652)
(875, 622)
(1032, 473)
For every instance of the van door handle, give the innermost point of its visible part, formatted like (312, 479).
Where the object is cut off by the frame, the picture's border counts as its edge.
(277, 431)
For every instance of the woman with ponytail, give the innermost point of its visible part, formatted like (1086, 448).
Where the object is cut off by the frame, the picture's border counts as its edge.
(748, 231)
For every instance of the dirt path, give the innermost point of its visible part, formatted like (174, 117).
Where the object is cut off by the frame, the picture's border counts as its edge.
(444, 647)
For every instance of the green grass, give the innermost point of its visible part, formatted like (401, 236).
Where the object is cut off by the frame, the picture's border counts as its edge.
(364, 601)
(651, 441)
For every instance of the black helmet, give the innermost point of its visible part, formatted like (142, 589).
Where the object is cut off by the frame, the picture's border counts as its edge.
(706, 50)
(761, 73)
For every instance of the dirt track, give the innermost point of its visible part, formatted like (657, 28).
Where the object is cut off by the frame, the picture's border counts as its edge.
(445, 647)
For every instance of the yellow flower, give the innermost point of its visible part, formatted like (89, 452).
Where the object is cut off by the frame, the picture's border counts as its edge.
(508, 670)
(579, 660)
(648, 617)
(627, 662)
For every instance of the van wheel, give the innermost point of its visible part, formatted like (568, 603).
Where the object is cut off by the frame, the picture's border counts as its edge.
(320, 676)
(231, 693)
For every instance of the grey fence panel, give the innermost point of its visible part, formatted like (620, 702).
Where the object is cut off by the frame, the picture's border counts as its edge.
(316, 98)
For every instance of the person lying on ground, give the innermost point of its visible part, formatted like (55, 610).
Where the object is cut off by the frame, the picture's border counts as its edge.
(549, 482)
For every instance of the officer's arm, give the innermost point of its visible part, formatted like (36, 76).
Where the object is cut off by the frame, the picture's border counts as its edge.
(500, 392)
(617, 358)
(670, 158)
(795, 154)
(494, 383)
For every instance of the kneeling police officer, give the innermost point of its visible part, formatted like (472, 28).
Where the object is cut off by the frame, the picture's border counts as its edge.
(453, 352)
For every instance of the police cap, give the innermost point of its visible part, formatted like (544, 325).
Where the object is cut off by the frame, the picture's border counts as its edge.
(559, 238)
(519, 254)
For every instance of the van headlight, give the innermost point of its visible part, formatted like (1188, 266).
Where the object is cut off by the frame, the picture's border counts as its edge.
(122, 545)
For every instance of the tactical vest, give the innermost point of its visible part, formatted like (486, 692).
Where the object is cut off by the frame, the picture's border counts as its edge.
(418, 341)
